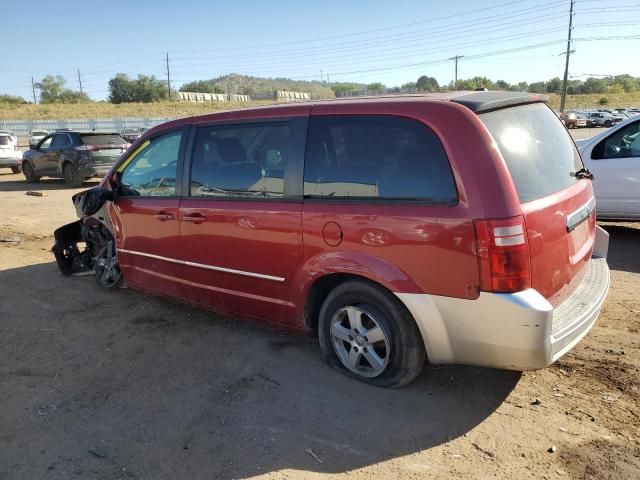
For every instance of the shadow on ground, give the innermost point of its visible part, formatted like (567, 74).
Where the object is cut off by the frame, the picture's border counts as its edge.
(45, 184)
(124, 385)
(624, 239)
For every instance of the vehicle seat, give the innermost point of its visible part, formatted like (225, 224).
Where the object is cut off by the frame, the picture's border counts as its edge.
(236, 173)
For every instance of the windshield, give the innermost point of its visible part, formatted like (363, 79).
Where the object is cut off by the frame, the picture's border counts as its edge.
(537, 149)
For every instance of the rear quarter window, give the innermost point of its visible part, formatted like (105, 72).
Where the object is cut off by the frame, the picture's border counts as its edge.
(376, 157)
(538, 151)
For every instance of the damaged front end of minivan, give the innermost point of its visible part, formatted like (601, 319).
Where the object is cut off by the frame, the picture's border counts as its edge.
(87, 246)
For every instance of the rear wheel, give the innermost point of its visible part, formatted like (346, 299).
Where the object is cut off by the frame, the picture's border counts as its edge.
(607, 123)
(29, 174)
(365, 332)
(71, 176)
(571, 126)
(16, 169)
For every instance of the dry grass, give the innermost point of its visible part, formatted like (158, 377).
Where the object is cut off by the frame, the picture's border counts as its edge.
(180, 109)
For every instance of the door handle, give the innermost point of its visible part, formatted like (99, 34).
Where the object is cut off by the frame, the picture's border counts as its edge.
(163, 216)
(195, 218)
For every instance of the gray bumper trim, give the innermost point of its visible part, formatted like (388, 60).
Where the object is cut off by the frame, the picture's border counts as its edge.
(517, 331)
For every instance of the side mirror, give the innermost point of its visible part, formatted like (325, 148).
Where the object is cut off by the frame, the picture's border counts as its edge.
(115, 181)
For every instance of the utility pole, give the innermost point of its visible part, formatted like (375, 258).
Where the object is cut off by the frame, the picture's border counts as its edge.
(33, 88)
(168, 77)
(455, 59)
(80, 81)
(566, 64)
(320, 75)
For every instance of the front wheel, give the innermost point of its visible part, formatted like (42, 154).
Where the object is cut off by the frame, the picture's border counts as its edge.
(365, 332)
(71, 175)
(29, 173)
(607, 123)
(106, 268)
(571, 126)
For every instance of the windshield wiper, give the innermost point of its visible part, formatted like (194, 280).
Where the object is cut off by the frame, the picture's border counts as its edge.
(583, 173)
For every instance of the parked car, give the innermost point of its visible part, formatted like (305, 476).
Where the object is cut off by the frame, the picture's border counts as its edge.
(10, 153)
(457, 228)
(604, 119)
(573, 120)
(132, 134)
(35, 136)
(74, 156)
(614, 158)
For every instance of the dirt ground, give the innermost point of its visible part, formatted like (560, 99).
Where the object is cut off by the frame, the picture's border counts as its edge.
(123, 385)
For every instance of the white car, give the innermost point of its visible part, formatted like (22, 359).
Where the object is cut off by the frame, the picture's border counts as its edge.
(613, 157)
(36, 136)
(10, 154)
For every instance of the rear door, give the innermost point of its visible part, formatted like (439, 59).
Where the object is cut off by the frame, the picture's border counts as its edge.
(240, 218)
(145, 216)
(558, 208)
(615, 163)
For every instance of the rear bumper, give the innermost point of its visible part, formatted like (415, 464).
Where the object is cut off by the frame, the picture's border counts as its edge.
(518, 331)
(11, 161)
(95, 170)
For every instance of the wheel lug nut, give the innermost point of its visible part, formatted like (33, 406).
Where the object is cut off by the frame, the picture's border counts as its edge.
(364, 349)
(350, 337)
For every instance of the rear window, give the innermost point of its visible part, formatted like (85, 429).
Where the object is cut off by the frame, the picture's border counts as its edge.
(376, 156)
(4, 140)
(38, 133)
(537, 149)
(102, 139)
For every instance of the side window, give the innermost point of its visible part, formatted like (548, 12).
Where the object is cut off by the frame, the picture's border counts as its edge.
(385, 157)
(152, 171)
(623, 143)
(61, 140)
(240, 160)
(46, 143)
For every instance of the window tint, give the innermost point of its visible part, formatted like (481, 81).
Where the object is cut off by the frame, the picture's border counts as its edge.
(102, 139)
(61, 140)
(152, 172)
(46, 142)
(376, 156)
(537, 149)
(621, 144)
(5, 140)
(241, 160)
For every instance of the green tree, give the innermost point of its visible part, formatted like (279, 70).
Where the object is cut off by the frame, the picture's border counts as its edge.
(201, 86)
(11, 99)
(376, 86)
(554, 85)
(537, 87)
(427, 84)
(594, 85)
(342, 89)
(52, 90)
(145, 89)
(502, 85)
(409, 86)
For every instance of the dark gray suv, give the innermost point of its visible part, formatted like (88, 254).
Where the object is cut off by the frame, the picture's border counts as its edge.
(74, 156)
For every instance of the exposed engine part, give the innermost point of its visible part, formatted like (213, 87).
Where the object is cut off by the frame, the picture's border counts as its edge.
(88, 245)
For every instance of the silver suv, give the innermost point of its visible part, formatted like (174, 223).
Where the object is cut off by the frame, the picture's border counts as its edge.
(603, 119)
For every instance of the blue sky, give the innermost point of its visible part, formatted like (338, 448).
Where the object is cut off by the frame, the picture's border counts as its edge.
(364, 41)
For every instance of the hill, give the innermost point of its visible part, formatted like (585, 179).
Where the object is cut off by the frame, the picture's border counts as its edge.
(247, 85)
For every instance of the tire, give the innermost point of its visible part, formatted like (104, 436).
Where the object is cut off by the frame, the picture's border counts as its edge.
(71, 176)
(607, 123)
(29, 174)
(16, 169)
(396, 350)
(571, 126)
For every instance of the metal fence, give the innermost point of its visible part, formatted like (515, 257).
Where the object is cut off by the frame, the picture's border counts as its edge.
(22, 128)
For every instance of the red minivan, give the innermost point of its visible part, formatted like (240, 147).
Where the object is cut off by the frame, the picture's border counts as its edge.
(459, 227)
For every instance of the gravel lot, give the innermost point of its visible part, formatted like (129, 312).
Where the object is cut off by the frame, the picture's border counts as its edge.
(124, 385)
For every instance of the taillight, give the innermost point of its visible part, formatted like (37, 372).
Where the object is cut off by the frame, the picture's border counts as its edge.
(16, 147)
(503, 255)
